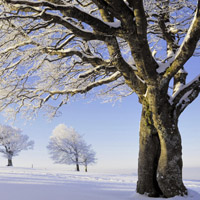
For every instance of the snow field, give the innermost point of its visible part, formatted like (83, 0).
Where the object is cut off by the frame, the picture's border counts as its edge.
(47, 184)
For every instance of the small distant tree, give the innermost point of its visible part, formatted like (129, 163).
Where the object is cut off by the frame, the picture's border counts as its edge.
(66, 146)
(88, 157)
(12, 142)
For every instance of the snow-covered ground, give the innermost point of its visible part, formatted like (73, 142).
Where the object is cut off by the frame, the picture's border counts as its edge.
(43, 184)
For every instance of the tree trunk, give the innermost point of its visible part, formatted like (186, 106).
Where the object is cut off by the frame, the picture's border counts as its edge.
(77, 168)
(85, 168)
(169, 171)
(169, 174)
(77, 165)
(10, 162)
(149, 153)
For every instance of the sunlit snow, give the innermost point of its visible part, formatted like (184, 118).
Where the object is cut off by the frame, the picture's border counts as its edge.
(48, 184)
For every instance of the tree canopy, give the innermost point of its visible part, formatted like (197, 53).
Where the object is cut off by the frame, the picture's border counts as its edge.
(53, 50)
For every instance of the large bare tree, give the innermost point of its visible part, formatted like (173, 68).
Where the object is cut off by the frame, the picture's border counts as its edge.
(62, 49)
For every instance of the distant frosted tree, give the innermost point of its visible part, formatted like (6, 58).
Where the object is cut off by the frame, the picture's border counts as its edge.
(12, 142)
(88, 157)
(66, 146)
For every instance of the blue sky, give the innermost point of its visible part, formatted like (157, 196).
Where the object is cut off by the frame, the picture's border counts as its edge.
(113, 132)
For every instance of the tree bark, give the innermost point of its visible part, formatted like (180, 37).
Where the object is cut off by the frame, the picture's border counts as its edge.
(10, 163)
(169, 171)
(149, 153)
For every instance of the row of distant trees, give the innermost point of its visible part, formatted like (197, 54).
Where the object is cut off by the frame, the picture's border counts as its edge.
(66, 146)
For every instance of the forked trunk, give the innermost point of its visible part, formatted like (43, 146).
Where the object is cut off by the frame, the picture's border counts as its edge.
(148, 156)
(169, 171)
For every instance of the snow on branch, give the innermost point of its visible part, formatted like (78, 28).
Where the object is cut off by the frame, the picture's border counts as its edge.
(71, 10)
(94, 60)
(30, 100)
(185, 95)
(54, 18)
(90, 86)
(53, 50)
(187, 48)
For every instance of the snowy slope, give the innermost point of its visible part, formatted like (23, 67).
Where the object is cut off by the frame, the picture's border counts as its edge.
(43, 184)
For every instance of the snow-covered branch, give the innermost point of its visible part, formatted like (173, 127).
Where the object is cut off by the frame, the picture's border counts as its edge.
(186, 50)
(69, 10)
(185, 95)
(113, 77)
(94, 60)
(52, 50)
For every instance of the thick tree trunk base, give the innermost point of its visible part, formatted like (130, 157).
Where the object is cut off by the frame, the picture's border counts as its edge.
(160, 160)
(171, 187)
(169, 173)
(147, 182)
(148, 158)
